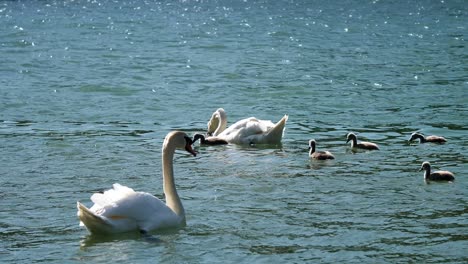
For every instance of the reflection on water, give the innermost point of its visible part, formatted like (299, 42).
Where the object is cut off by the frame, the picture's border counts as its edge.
(93, 239)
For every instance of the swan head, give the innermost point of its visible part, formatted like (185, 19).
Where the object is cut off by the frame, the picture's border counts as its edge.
(350, 136)
(179, 140)
(425, 166)
(188, 146)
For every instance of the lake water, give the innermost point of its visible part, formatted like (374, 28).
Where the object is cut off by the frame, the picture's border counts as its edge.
(89, 89)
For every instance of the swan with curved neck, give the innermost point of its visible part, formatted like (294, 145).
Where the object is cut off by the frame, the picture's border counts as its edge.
(121, 209)
(217, 123)
(436, 175)
(423, 139)
(361, 145)
(320, 155)
(246, 131)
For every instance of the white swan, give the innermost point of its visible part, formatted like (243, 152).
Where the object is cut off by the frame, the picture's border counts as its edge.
(246, 131)
(121, 209)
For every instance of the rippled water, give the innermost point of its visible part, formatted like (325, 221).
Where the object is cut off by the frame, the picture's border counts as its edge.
(89, 89)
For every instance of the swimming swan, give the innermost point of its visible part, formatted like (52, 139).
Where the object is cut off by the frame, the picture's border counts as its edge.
(246, 131)
(320, 155)
(361, 145)
(423, 139)
(436, 175)
(121, 209)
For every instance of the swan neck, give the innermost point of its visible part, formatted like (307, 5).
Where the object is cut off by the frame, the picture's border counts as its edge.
(222, 123)
(172, 198)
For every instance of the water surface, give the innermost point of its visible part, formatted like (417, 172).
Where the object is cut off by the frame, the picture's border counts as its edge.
(89, 89)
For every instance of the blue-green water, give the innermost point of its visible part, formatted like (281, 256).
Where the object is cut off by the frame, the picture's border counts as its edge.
(89, 89)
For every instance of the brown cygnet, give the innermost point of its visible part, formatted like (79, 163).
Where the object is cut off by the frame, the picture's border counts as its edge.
(361, 145)
(209, 140)
(320, 155)
(436, 175)
(423, 139)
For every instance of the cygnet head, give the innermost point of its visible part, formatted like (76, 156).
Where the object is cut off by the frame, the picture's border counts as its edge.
(415, 136)
(350, 136)
(425, 166)
(197, 137)
(209, 140)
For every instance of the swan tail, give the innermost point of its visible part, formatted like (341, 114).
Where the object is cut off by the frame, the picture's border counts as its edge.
(93, 222)
(276, 133)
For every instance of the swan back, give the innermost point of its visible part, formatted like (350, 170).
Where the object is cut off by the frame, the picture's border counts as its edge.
(254, 131)
(436, 139)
